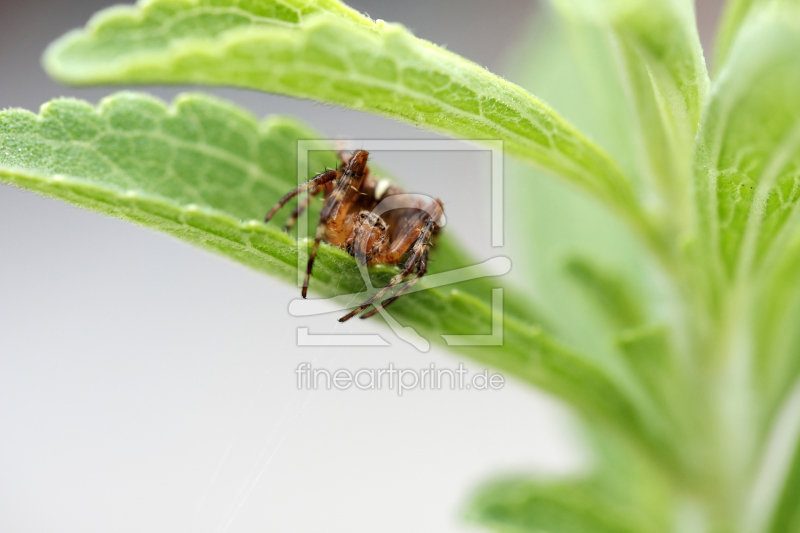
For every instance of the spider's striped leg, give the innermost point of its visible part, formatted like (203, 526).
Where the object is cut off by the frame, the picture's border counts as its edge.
(319, 179)
(340, 145)
(302, 206)
(419, 247)
(313, 255)
(422, 269)
(347, 156)
(344, 155)
(350, 175)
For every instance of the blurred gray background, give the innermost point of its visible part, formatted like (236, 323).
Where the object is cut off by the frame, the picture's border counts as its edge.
(149, 386)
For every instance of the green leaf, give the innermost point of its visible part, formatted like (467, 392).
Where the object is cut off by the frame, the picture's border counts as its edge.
(772, 505)
(733, 16)
(536, 507)
(554, 222)
(644, 63)
(608, 292)
(777, 338)
(650, 354)
(325, 52)
(205, 171)
(624, 493)
(786, 514)
(202, 163)
(747, 163)
(736, 14)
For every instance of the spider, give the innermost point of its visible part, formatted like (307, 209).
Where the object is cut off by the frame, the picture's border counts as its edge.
(348, 220)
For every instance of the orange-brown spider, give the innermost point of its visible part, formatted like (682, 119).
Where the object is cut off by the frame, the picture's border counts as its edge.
(348, 220)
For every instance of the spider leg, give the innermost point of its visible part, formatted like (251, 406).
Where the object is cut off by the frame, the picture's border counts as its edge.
(319, 179)
(352, 173)
(313, 255)
(419, 247)
(344, 155)
(422, 269)
(302, 206)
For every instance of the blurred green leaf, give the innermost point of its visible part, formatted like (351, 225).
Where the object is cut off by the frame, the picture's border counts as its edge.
(735, 16)
(747, 171)
(730, 23)
(608, 292)
(747, 164)
(538, 507)
(654, 76)
(623, 493)
(785, 517)
(573, 60)
(554, 222)
(776, 361)
(650, 353)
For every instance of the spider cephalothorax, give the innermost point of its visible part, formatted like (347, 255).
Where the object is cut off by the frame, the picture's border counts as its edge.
(374, 220)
